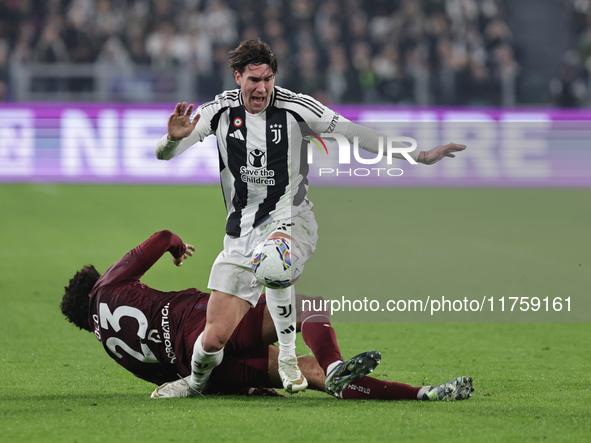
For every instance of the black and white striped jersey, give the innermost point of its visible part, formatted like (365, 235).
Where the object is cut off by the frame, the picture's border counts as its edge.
(263, 163)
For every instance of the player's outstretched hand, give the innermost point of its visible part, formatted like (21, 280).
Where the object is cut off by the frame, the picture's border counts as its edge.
(179, 122)
(434, 155)
(188, 253)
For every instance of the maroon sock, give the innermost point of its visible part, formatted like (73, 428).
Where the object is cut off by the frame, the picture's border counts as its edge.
(371, 388)
(320, 337)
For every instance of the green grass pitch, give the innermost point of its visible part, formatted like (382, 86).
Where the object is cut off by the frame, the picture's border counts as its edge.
(532, 377)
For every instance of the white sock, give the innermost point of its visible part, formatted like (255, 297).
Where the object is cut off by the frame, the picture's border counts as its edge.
(281, 305)
(423, 391)
(202, 363)
(332, 366)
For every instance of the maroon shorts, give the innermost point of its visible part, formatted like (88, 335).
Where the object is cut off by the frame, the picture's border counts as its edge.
(246, 358)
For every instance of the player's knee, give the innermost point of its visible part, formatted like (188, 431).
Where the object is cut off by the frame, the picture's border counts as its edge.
(214, 340)
(213, 346)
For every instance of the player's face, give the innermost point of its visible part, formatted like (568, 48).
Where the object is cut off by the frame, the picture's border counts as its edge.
(256, 83)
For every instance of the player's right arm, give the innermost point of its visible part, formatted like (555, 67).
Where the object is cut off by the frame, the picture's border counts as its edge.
(185, 128)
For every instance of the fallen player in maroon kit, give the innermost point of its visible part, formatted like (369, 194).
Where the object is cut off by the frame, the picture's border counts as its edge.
(151, 334)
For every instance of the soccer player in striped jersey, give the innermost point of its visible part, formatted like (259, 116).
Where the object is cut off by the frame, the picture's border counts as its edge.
(264, 181)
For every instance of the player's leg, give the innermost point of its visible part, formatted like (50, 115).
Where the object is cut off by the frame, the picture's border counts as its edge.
(234, 292)
(248, 356)
(301, 230)
(363, 388)
(317, 331)
(346, 379)
(325, 344)
(368, 388)
(224, 312)
(308, 365)
(320, 337)
(281, 306)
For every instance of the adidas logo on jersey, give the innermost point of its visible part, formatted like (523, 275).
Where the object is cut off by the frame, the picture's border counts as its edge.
(237, 134)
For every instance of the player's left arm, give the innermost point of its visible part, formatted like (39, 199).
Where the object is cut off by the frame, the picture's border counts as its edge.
(369, 140)
(160, 243)
(140, 259)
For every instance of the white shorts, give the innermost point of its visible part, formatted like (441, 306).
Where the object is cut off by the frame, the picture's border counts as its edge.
(231, 272)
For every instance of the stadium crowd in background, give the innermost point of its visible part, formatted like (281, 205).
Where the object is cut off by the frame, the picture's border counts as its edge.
(444, 52)
(570, 86)
(450, 52)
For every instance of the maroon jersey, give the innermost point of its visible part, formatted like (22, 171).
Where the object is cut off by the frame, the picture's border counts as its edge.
(142, 328)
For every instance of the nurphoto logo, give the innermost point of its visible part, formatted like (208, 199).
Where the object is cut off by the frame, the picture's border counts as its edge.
(387, 146)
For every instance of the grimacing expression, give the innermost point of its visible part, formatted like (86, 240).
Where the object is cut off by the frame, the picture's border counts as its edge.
(256, 84)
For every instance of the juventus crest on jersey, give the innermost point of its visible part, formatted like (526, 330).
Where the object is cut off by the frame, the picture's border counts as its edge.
(263, 163)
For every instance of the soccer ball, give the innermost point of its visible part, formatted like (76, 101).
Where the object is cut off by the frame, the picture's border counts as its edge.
(276, 263)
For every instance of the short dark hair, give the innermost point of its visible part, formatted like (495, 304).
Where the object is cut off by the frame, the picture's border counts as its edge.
(252, 52)
(76, 301)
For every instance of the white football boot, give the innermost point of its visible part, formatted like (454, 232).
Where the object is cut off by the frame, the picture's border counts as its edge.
(177, 389)
(291, 376)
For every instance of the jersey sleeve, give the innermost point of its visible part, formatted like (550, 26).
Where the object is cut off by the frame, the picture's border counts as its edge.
(137, 261)
(369, 139)
(327, 121)
(321, 119)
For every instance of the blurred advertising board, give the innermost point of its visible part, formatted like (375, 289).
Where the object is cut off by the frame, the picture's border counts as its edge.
(115, 143)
